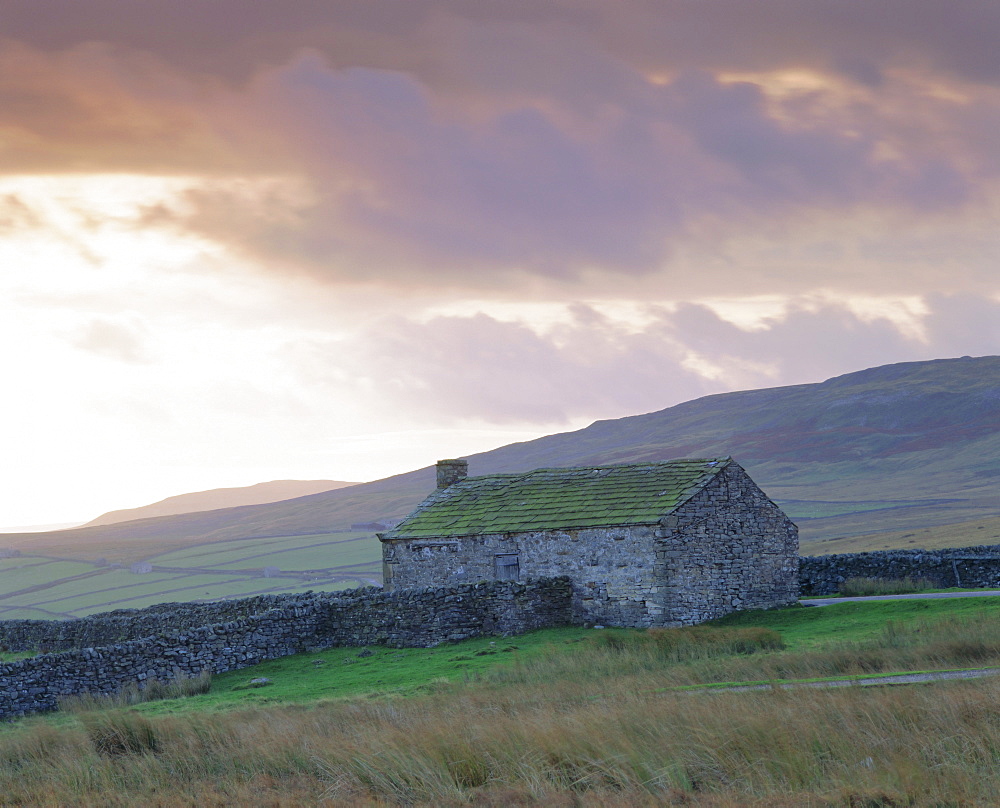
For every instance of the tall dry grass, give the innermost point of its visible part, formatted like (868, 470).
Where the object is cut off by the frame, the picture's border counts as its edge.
(555, 745)
(608, 735)
(938, 645)
(181, 686)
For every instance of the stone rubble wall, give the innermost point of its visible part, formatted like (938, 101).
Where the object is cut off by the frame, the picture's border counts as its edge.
(959, 566)
(103, 653)
(123, 625)
(612, 567)
(729, 548)
(407, 618)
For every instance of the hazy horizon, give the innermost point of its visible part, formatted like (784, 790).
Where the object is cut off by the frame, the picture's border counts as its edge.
(246, 242)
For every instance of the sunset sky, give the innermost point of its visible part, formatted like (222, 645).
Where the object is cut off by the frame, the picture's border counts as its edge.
(339, 239)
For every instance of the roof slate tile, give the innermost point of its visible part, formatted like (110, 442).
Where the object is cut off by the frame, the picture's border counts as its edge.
(544, 499)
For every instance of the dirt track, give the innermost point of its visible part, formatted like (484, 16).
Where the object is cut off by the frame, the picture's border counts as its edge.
(984, 593)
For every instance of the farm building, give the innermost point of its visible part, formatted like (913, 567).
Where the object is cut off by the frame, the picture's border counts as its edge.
(645, 544)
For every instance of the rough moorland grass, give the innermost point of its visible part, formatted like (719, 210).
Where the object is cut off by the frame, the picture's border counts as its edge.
(669, 645)
(940, 645)
(180, 687)
(818, 627)
(573, 717)
(605, 742)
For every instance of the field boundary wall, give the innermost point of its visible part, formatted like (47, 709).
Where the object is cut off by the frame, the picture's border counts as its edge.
(105, 652)
(285, 624)
(970, 567)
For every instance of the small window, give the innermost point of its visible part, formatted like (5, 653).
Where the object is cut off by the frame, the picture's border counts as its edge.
(507, 567)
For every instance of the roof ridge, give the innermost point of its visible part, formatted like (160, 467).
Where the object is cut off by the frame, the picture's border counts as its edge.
(506, 474)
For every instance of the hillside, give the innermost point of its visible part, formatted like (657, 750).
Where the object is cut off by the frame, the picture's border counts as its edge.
(890, 451)
(258, 494)
(916, 443)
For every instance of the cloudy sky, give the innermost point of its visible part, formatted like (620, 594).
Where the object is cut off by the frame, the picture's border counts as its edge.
(243, 241)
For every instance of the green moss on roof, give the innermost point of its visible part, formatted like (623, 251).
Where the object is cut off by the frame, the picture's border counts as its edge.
(559, 499)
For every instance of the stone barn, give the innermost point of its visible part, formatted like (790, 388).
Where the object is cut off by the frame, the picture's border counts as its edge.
(645, 544)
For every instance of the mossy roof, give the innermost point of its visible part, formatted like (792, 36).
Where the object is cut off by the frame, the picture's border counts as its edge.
(558, 499)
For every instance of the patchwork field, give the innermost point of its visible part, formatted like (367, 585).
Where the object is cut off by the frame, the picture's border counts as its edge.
(42, 587)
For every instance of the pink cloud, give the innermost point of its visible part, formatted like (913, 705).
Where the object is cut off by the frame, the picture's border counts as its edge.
(478, 367)
(455, 145)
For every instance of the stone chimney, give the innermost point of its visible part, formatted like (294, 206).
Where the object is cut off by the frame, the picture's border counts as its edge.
(450, 472)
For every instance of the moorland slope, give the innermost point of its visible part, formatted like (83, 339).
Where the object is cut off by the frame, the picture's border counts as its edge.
(259, 494)
(901, 446)
(893, 451)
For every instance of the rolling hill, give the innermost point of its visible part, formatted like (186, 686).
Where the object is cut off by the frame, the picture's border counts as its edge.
(891, 451)
(258, 494)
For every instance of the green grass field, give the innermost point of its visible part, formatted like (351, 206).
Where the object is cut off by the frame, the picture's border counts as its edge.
(341, 673)
(560, 717)
(38, 587)
(237, 551)
(310, 557)
(804, 627)
(17, 574)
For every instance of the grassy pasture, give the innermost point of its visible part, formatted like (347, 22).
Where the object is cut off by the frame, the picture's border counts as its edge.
(110, 581)
(228, 551)
(571, 717)
(17, 574)
(189, 587)
(308, 558)
(122, 589)
(308, 555)
(146, 590)
(960, 534)
(54, 590)
(804, 627)
(21, 613)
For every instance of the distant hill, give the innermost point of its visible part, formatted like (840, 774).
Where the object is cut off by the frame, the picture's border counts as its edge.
(892, 448)
(258, 494)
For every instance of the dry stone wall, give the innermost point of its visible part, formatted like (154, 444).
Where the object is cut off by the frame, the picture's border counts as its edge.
(407, 618)
(728, 548)
(960, 566)
(103, 653)
(123, 625)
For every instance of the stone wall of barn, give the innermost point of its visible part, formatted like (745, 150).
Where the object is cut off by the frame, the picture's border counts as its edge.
(611, 568)
(728, 548)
